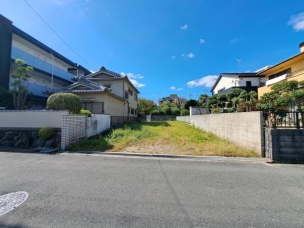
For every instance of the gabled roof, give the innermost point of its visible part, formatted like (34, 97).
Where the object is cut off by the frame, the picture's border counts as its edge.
(104, 74)
(288, 61)
(83, 85)
(239, 75)
(102, 71)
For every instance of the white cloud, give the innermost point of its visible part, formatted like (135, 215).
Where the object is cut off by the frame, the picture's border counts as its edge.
(172, 87)
(179, 89)
(136, 83)
(173, 57)
(207, 81)
(202, 41)
(297, 21)
(131, 75)
(190, 55)
(184, 27)
(235, 40)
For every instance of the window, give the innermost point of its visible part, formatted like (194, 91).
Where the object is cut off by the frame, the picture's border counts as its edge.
(248, 83)
(286, 71)
(126, 95)
(135, 96)
(130, 92)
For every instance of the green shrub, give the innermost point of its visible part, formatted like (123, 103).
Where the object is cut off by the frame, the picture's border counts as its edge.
(46, 133)
(167, 111)
(85, 112)
(184, 112)
(230, 109)
(216, 110)
(63, 101)
(155, 112)
(175, 111)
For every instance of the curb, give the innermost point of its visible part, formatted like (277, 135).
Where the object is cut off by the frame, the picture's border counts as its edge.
(188, 157)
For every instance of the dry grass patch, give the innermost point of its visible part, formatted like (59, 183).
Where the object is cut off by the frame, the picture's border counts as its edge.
(170, 137)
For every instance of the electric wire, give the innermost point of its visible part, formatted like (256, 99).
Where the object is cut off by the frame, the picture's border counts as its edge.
(56, 33)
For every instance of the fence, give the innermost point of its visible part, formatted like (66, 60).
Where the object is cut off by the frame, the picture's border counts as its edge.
(73, 129)
(284, 119)
(150, 118)
(120, 120)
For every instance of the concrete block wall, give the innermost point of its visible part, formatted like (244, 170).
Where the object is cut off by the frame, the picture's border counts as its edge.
(243, 128)
(30, 119)
(97, 123)
(284, 145)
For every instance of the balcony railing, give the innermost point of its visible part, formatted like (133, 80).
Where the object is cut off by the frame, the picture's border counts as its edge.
(295, 73)
(37, 90)
(40, 64)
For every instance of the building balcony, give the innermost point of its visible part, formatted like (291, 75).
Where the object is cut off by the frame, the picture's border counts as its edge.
(40, 64)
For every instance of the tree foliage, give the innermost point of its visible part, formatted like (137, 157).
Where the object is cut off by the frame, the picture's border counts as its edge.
(145, 106)
(281, 95)
(189, 103)
(20, 75)
(64, 101)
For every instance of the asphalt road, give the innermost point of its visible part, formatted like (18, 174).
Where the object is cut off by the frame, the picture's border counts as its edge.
(115, 191)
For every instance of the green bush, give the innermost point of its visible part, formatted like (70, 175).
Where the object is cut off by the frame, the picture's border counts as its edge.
(175, 111)
(155, 113)
(167, 111)
(85, 112)
(63, 101)
(184, 112)
(216, 110)
(46, 133)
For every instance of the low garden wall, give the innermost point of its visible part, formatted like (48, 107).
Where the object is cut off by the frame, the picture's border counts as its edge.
(243, 128)
(11, 120)
(284, 145)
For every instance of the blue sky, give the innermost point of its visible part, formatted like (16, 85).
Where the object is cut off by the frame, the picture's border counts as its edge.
(166, 46)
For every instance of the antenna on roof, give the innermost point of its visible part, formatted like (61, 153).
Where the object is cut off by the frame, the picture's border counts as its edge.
(239, 63)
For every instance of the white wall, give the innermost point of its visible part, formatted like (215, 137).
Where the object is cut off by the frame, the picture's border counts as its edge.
(198, 111)
(97, 123)
(228, 81)
(242, 128)
(31, 119)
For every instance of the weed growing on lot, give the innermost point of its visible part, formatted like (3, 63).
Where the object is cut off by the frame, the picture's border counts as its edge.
(170, 137)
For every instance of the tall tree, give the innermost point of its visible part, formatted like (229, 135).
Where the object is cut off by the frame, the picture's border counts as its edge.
(145, 106)
(203, 100)
(189, 103)
(21, 75)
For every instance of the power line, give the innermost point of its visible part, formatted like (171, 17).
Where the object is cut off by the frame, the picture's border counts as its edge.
(56, 33)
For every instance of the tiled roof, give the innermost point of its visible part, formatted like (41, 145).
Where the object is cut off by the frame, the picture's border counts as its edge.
(104, 70)
(86, 82)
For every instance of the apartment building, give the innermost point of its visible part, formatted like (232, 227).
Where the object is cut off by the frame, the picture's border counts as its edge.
(52, 70)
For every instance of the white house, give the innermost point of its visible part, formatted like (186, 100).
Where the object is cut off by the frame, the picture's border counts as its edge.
(228, 81)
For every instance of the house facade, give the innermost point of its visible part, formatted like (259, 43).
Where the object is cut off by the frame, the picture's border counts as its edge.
(51, 70)
(289, 69)
(105, 92)
(228, 81)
